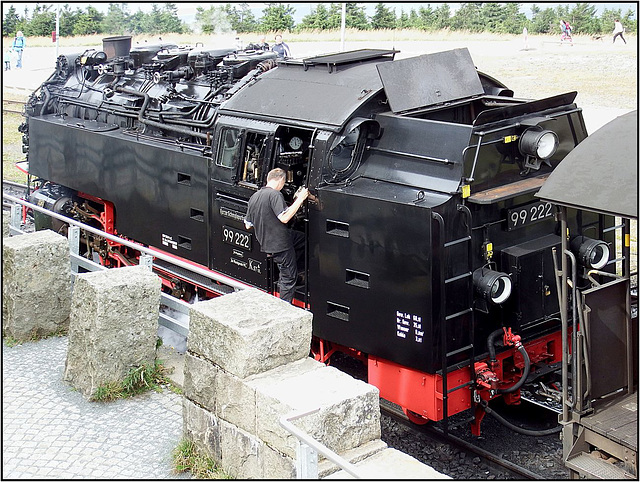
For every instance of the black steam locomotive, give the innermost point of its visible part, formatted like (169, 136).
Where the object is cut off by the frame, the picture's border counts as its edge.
(427, 254)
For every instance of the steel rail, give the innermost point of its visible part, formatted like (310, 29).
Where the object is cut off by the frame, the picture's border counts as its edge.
(436, 434)
(14, 184)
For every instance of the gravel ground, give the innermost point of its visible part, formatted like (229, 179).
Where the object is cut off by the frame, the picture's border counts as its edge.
(540, 455)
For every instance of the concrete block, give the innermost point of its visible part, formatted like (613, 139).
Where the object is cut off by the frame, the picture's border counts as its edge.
(235, 401)
(348, 415)
(6, 220)
(391, 464)
(355, 455)
(276, 465)
(36, 284)
(113, 326)
(202, 428)
(240, 454)
(200, 381)
(249, 332)
(229, 397)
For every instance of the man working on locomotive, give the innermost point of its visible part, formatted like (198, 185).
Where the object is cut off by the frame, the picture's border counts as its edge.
(268, 214)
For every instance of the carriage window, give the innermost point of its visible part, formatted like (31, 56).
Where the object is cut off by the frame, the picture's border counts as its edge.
(229, 148)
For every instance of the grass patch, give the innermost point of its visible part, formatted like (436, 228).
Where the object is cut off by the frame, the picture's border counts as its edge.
(11, 341)
(34, 335)
(12, 144)
(310, 35)
(138, 380)
(187, 459)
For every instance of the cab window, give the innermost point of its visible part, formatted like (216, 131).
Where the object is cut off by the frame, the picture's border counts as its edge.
(229, 148)
(346, 153)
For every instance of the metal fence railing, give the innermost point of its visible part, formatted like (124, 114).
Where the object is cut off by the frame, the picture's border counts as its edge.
(308, 448)
(179, 323)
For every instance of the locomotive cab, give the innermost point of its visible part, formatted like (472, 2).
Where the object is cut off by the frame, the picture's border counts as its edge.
(247, 151)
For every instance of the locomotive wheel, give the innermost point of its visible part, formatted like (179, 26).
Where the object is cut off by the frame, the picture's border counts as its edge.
(414, 417)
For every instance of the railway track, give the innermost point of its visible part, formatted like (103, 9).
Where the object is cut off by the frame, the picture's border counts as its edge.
(498, 453)
(6, 103)
(510, 469)
(13, 188)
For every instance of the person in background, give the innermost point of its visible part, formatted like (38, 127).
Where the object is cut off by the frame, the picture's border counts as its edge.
(7, 59)
(262, 44)
(281, 48)
(566, 31)
(618, 30)
(18, 46)
(259, 45)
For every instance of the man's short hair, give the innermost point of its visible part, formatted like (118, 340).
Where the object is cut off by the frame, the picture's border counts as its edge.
(276, 174)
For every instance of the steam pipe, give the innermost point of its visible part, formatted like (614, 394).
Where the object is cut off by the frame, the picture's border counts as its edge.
(491, 344)
(491, 339)
(574, 361)
(142, 120)
(515, 428)
(525, 373)
(586, 345)
(564, 231)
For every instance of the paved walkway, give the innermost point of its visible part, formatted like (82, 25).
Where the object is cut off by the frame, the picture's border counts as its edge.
(50, 431)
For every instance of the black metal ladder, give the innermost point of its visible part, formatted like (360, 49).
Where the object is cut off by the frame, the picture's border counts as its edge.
(446, 319)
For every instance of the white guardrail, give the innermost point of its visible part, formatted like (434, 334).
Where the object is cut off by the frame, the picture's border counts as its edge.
(178, 324)
(308, 448)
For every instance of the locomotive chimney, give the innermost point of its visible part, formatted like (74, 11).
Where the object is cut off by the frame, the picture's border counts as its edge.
(116, 46)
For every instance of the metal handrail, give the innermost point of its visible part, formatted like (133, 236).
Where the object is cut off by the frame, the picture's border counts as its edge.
(180, 326)
(308, 449)
(238, 285)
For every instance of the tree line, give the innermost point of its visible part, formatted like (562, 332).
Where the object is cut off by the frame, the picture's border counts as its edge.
(223, 18)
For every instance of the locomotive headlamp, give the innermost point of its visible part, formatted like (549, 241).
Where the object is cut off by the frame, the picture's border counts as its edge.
(591, 253)
(538, 142)
(493, 286)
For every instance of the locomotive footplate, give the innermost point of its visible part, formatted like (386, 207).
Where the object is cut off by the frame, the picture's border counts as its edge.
(190, 277)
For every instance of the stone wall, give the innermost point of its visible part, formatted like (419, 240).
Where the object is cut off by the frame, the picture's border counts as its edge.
(113, 326)
(247, 365)
(6, 219)
(36, 285)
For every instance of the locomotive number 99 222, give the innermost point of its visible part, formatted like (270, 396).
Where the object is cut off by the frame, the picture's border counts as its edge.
(529, 214)
(236, 238)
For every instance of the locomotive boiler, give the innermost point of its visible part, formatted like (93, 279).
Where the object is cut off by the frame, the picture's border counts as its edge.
(427, 254)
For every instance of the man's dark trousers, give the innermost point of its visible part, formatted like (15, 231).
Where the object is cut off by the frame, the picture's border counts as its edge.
(288, 262)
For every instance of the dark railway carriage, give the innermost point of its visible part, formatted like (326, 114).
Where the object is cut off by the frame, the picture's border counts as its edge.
(426, 250)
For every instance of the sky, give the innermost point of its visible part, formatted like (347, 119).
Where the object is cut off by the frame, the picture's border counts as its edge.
(187, 10)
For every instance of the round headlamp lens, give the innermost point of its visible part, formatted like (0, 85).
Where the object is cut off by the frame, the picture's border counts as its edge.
(493, 286)
(547, 145)
(598, 256)
(538, 143)
(591, 253)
